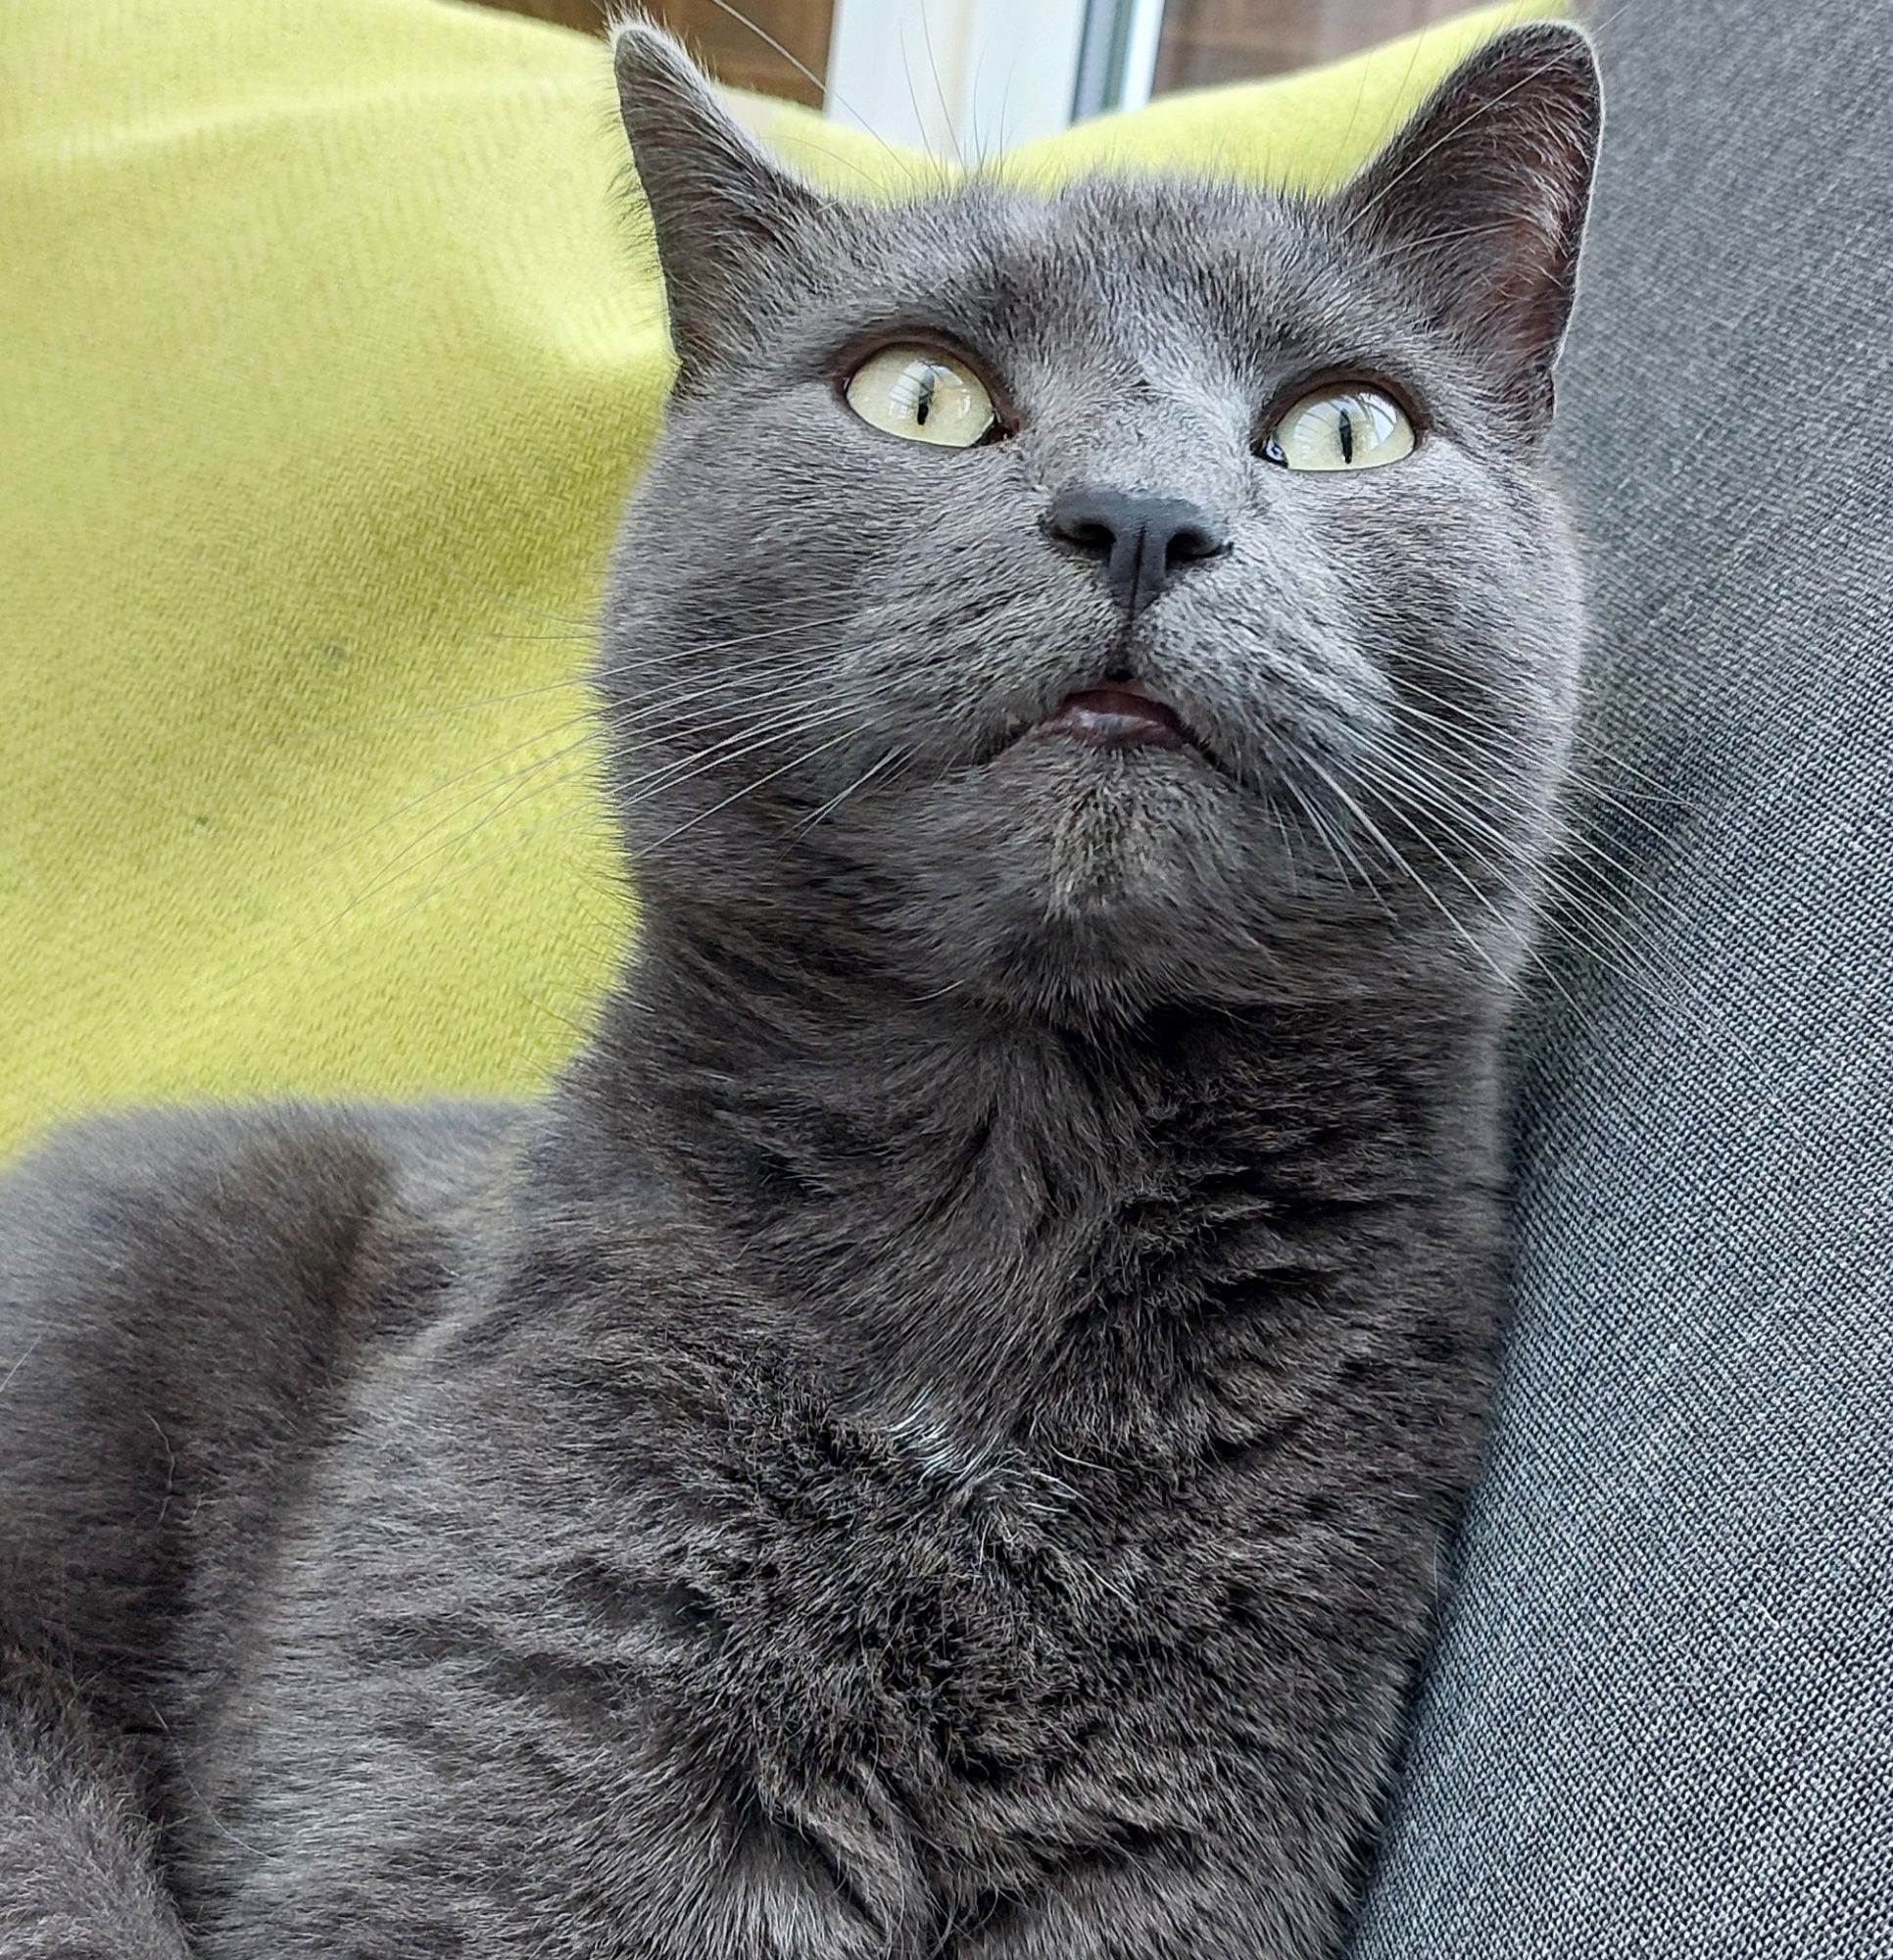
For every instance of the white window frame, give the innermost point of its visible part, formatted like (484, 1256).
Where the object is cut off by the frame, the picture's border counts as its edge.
(967, 78)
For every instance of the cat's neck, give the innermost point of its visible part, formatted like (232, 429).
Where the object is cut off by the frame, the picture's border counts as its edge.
(976, 1212)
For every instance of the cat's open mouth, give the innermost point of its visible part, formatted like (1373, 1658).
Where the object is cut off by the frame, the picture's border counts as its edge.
(1119, 716)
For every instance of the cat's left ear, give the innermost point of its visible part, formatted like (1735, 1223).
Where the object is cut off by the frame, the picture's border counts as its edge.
(726, 215)
(1482, 196)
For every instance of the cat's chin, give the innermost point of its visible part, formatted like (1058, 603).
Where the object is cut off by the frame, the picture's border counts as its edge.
(1096, 766)
(1074, 872)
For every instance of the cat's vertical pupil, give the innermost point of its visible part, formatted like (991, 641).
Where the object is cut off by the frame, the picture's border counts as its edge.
(924, 396)
(1346, 436)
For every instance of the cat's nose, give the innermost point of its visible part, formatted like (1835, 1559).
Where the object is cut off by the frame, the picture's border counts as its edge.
(1141, 540)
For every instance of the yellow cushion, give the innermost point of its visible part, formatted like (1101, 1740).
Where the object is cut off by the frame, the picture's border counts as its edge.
(324, 366)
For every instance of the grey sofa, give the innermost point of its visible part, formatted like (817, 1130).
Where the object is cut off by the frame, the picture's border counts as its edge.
(1661, 1717)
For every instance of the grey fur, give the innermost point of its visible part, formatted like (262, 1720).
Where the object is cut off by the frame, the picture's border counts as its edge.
(935, 1438)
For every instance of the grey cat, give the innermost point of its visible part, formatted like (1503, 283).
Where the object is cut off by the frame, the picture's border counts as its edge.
(936, 1437)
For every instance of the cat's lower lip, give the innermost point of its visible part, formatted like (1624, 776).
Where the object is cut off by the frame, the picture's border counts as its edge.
(1117, 717)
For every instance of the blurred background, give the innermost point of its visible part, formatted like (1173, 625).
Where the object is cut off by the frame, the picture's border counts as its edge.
(969, 76)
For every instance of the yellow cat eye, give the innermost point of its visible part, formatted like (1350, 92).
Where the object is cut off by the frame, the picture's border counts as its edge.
(922, 393)
(1348, 426)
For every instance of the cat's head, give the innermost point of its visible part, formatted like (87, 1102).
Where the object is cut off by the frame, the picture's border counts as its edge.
(1149, 591)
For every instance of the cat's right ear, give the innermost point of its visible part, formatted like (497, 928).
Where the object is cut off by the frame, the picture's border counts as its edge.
(724, 214)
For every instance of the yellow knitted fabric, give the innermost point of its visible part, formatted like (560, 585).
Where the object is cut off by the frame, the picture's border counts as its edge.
(326, 360)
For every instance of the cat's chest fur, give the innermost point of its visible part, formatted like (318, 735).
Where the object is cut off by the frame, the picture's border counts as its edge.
(1045, 1515)
(892, 1502)
(973, 1658)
